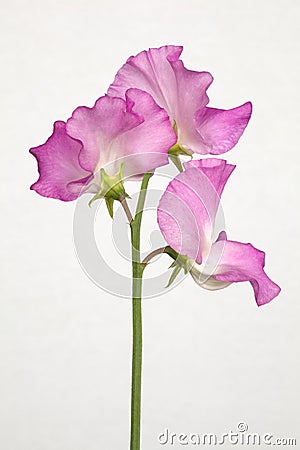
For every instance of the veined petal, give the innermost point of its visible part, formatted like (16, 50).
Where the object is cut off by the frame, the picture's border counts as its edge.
(146, 146)
(187, 209)
(182, 93)
(134, 131)
(190, 96)
(220, 129)
(61, 175)
(216, 170)
(97, 127)
(243, 262)
(152, 72)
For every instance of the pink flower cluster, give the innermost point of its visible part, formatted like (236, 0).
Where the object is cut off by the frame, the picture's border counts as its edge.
(154, 104)
(152, 94)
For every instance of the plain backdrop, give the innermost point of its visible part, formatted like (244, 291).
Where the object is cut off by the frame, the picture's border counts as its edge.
(211, 359)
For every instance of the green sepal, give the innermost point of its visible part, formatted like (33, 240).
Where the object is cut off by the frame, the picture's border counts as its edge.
(174, 275)
(177, 162)
(96, 197)
(184, 262)
(173, 265)
(174, 153)
(177, 150)
(175, 128)
(112, 185)
(110, 206)
(180, 263)
(111, 188)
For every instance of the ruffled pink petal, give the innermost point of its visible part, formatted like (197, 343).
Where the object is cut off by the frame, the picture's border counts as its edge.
(243, 262)
(216, 170)
(190, 97)
(61, 175)
(134, 131)
(182, 93)
(145, 147)
(220, 129)
(152, 72)
(187, 209)
(97, 127)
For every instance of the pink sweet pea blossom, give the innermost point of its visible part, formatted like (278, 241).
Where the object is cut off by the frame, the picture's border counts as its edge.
(182, 93)
(186, 217)
(134, 131)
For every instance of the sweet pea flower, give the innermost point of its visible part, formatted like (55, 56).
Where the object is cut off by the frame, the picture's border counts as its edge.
(186, 216)
(133, 133)
(182, 93)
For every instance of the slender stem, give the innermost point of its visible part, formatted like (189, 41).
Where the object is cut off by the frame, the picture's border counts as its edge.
(137, 341)
(168, 250)
(142, 198)
(151, 255)
(126, 209)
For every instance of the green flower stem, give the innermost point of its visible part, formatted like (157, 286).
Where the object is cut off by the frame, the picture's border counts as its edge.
(126, 209)
(168, 250)
(137, 338)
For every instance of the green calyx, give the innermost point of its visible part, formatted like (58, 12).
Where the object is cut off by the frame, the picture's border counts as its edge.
(180, 263)
(177, 150)
(111, 189)
(174, 155)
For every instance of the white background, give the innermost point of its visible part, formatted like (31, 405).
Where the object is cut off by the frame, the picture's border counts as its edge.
(211, 359)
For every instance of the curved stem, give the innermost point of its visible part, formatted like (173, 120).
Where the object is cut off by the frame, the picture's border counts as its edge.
(152, 255)
(126, 209)
(137, 341)
(168, 250)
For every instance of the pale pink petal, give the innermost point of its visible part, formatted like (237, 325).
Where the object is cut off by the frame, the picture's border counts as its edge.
(146, 146)
(187, 209)
(159, 71)
(216, 170)
(220, 129)
(189, 97)
(243, 262)
(134, 131)
(97, 127)
(152, 72)
(182, 93)
(61, 175)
